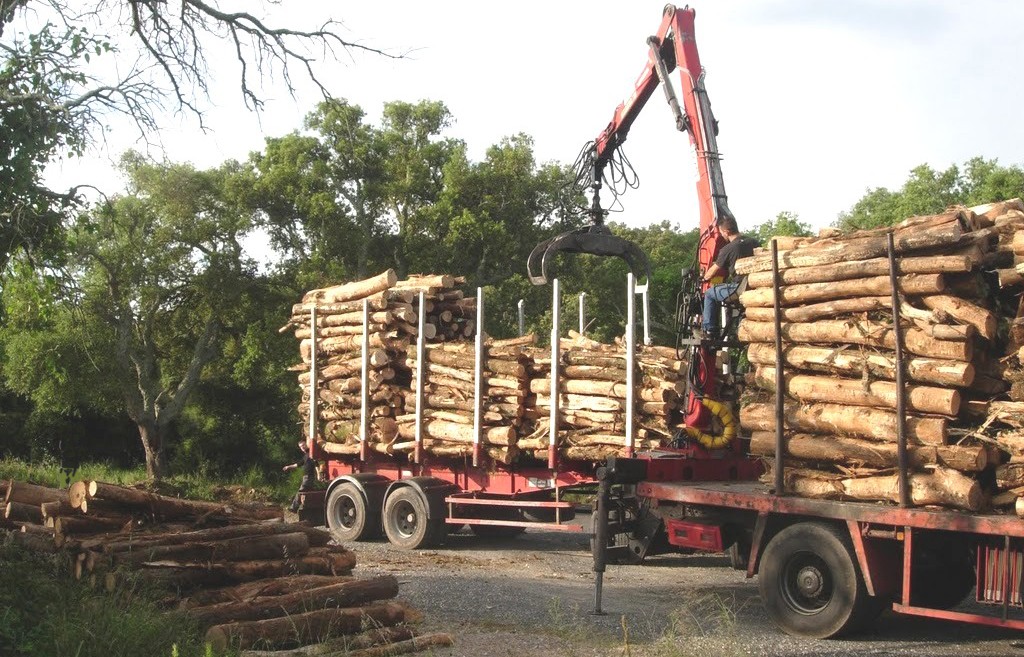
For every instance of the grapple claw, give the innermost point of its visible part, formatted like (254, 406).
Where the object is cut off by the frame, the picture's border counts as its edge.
(594, 239)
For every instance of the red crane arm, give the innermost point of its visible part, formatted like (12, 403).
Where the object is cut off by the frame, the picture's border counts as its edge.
(674, 47)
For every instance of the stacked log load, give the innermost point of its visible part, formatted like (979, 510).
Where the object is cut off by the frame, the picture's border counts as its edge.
(592, 404)
(245, 576)
(839, 359)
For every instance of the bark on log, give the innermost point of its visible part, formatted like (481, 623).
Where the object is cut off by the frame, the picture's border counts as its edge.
(315, 537)
(385, 636)
(854, 392)
(233, 549)
(795, 295)
(318, 561)
(500, 436)
(342, 594)
(943, 487)
(260, 589)
(173, 507)
(876, 334)
(827, 309)
(982, 319)
(353, 290)
(307, 627)
(848, 361)
(415, 644)
(850, 451)
(862, 269)
(857, 421)
(26, 493)
(24, 512)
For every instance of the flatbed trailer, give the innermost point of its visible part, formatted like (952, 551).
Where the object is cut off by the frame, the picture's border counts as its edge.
(824, 567)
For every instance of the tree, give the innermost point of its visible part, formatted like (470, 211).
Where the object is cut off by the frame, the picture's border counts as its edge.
(54, 100)
(153, 279)
(785, 223)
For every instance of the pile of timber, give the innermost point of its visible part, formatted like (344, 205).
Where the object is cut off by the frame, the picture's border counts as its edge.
(839, 361)
(449, 391)
(592, 399)
(392, 328)
(250, 580)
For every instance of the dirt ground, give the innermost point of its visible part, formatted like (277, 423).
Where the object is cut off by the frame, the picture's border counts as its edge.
(534, 594)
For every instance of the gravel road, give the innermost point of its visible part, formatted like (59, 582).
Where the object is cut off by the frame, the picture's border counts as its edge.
(532, 595)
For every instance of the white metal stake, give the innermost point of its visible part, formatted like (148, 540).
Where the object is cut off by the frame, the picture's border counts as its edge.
(647, 315)
(478, 377)
(583, 313)
(314, 407)
(421, 366)
(364, 406)
(522, 317)
(630, 359)
(556, 318)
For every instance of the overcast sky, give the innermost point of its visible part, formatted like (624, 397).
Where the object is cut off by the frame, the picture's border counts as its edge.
(818, 101)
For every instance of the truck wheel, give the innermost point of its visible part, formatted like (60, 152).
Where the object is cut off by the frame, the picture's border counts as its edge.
(809, 582)
(406, 522)
(348, 517)
(942, 575)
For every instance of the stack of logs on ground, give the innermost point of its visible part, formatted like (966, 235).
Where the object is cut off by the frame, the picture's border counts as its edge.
(515, 386)
(249, 579)
(959, 308)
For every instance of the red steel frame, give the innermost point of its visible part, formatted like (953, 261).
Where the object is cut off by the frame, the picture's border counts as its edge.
(861, 519)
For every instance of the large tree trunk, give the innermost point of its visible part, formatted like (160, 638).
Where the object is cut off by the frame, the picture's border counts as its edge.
(152, 438)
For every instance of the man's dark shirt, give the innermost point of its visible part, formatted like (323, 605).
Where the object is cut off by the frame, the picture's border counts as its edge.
(741, 247)
(308, 466)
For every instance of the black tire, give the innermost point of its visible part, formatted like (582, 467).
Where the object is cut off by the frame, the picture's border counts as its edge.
(406, 523)
(348, 516)
(942, 575)
(496, 531)
(810, 584)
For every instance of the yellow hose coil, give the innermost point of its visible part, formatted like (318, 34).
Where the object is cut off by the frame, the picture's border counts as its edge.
(725, 416)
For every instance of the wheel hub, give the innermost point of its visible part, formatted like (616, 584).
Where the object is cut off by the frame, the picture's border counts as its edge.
(810, 581)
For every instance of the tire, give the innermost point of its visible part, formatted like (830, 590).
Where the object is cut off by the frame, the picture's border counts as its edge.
(810, 584)
(348, 516)
(496, 531)
(406, 523)
(942, 575)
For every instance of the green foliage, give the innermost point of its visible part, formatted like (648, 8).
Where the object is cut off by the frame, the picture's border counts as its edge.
(785, 223)
(44, 611)
(928, 191)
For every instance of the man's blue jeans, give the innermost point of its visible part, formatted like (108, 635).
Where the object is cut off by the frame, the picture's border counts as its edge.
(713, 299)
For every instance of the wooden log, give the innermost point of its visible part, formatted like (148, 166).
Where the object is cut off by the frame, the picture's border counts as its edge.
(609, 389)
(246, 548)
(377, 301)
(876, 334)
(842, 360)
(964, 311)
(794, 295)
(943, 487)
(857, 421)
(315, 537)
(862, 269)
(382, 636)
(78, 524)
(851, 451)
(260, 589)
(34, 494)
(580, 402)
(415, 644)
(854, 392)
(341, 594)
(500, 436)
(353, 290)
(331, 560)
(171, 507)
(24, 512)
(504, 455)
(336, 331)
(306, 627)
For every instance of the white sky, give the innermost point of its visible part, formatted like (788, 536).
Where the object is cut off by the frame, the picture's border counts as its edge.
(818, 101)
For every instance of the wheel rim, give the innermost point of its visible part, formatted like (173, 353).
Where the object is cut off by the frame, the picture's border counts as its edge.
(806, 583)
(346, 514)
(405, 518)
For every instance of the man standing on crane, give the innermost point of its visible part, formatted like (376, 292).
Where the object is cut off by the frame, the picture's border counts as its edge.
(724, 266)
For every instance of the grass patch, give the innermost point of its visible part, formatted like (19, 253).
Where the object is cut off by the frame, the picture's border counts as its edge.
(44, 612)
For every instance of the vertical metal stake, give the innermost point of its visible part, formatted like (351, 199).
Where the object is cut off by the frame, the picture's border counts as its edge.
(522, 317)
(555, 393)
(780, 385)
(314, 405)
(421, 366)
(478, 377)
(630, 362)
(364, 394)
(647, 314)
(583, 313)
(901, 401)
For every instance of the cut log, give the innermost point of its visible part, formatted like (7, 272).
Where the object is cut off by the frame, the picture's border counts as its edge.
(233, 549)
(383, 636)
(862, 269)
(23, 512)
(342, 594)
(794, 295)
(332, 560)
(353, 290)
(850, 361)
(315, 537)
(857, 421)
(964, 311)
(260, 589)
(852, 451)
(871, 333)
(173, 507)
(306, 627)
(500, 436)
(943, 487)
(854, 392)
(26, 493)
(415, 644)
